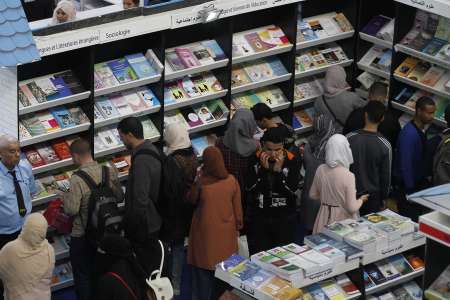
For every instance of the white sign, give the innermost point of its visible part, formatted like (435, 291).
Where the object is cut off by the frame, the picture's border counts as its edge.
(229, 8)
(439, 7)
(62, 42)
(9, 123)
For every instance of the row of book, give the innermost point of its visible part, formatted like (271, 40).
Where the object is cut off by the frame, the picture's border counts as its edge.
(439, 289)
(258, 40)
(322, 26)
(51, 120)
(256, 71)
(408, 96)
(424, 73)
(48, 184)
(189, 87)
(272, 96)
(379, 58)
(48, 88)
(124, 103)
(408, 291)
(303, 117)
(193, 55)
(122, 70)
(381, 27)
(198, 115)
(62, 273)
(320, 56)
(48, 152)
(307, 89)
(429, 34)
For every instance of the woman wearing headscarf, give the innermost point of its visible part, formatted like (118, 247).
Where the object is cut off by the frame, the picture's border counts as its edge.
(334, 185)
(64, 12)
(121, 277)
(179, 147)
(27, 263)
(337, 101)
(313, 157)
(216, 222)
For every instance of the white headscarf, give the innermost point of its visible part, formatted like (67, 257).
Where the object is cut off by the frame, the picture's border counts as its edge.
(176, 137)
(338, 152)
(68, 7)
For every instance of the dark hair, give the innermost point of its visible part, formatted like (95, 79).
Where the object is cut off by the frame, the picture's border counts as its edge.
(447, 115)
(131, 125)
(375, 111)
(261, 111)
(275, 135)
(378, 89)
(136, 2)
(80, 146)
(424, 101)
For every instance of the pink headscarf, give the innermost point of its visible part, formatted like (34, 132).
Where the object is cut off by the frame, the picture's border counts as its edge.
(335, 81)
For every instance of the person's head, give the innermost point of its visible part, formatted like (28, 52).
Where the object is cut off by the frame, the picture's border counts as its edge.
(9, 151)
(378, 92)
(273, 141)
(127, 4)
(338, 152)
(213, 164)
(324, 128)
(176, 137)
(335, 81)
(239, 134)
(80, 149)
(131, 132)
(263, 114)
(34, 230)
(425, 109)
(447, 115)
(374, 112)
(65, 11)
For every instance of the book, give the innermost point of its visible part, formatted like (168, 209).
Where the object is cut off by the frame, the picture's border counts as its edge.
(443, 29)
(336, 255)
(330, 26)
(46, 86)
(419, 71)
(217, 108)
(199, 144)
(245, 270)
(47, 153)
(105, 75)
(406, 66)
(434, 46)
(212, 83)
(121, 164)
(239, 76)
(140, 65)
(231, 262)
(416, 262)
(149, 128)
(414, 290)
(254, 70)
(317, 258)
(280, 289)
(174, 93)
(33, 124)
(337, 230)
(255, 41)
(61, 149)
(122, 70)
(200, 52)
(432, 76)
(78, 116)
(388, 270)
(258, 279)
(23, 132)
(203, 112)
(62, 273)
(48, 121)
(214, 49)
(98, 83)
(315, 292)
(332, 290)
(278, 69)
(347, 285)
(305, 32)
(37, 92)
(343, 22)
(367, 79)
(191, 117)
(189, 87)
(120, 103)
(241, 47)
(400, 263)
(134, 101)
(107, 109)
(23, 99)
(404, 95)
(108, 139)
(296, 249)
(368, 283)
(174, 61)
(375, 274)
(375, 24)
(281, 253)
(173, 117)
(63, 117)
(97, 114)
(439, 288)
(387, 31)
(147, 96)
(187, 58)
(62, 87)
(71, 81)
(33, 157)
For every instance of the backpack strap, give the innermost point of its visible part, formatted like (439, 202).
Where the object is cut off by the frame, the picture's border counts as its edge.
(87, 179)
(117, 276)
(331, 111)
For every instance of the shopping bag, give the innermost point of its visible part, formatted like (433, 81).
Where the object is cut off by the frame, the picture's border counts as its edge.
(243, 246)
(57, 219)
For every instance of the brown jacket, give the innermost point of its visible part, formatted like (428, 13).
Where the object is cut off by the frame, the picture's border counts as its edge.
(216, 222)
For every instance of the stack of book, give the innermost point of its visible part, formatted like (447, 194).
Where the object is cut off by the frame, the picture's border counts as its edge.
(62, 273)
(198, 115)
(321, 240)
(49, 121)
(189, 87)
(408, 291)
(108, 137)
(439, 289)
(272, 96)
(257, 71)
(303, 118)
(322, 26)
(319, 57)
(193, 55)
(125, 103)
(429, 34)
(199, 144)
(258, 40)
(378, 58)
(46, 153)
(381, 27)
(127, 69)
(307, 89)
(48, 88)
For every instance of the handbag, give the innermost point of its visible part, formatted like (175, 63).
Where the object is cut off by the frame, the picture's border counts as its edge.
(161, 286)
(57, 219)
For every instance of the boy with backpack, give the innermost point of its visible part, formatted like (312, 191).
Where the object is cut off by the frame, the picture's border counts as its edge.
(79, 202)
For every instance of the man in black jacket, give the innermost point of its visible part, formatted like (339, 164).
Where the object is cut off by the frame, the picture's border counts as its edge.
(372, 159)
(272, 182)
(389, 127)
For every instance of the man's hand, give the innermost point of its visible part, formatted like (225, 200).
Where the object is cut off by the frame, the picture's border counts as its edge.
(264, 159)
(279, 161)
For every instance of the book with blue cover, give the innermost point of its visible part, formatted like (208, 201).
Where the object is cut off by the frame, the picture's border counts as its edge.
(147, 96)
(122, 70)
(245, 270)
(231, 262)
(140, 65)
(258, 279)
(63, 117)
(62, 88)
(214, 49)
(434, 46)
(199, 144)
(277, 66)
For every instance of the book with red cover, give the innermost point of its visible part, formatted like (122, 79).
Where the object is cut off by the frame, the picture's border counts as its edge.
(121, 163)
(33, 157)
(61, 148)
(47, 153)
(187, 57)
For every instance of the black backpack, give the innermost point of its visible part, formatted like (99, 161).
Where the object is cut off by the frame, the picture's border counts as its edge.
(170, 203)
(104, 215)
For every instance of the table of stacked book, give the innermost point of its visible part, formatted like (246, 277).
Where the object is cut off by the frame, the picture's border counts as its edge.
(373, 256)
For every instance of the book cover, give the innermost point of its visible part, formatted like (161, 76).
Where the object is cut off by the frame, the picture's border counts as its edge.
(240, 46)
(434, 46)
(214, 50)
(97, 114)
(38, 94)
(419, 42)
(63, 117)
(333, 290)
(211, 82)
(33, 124)
(316, 257)
(147, 96)
(384, 63)
(255, 41)
(71, 81)
(199, 144)
(387, 31)
(98, 83)
(336, 255)
(337, 230)
(46, 86)
(368, 283)
(108, 138)
(134, 101)
(203, 112)
(47, 153)
(175, 92)
(62, 87)
(409, 37)
(416, 262)
(189, 87)
(217, 108)
(174, 117)
(318, 29)
(327, 56)
(400, 263)
(414, 290)
(343, 22)
(239, 76)
(443, 29)
(121, 164)
(303, 118)
(432, 76)
(23, 99)
(122, 70)
(254, 70)
(257, 280)
(406, 66)
(277, 66)
(61, 149)
(306, 32)
(404, 95)
(174, 61)
(231, 262)
(23, 132)
(375, 24)
(419, 71)
(48, 121)
(140, 65)
(439, 288)
(245, 270)
(120, 103)
(275, 36)
(347, 285)
(203, 56)
(375, 274)
(105, 75)
(280, 289)
(388, 270)
(191, 117)
(330, 27)
(316, 292)
(33, 157)
(296, 249)
(441, 106)
(187, 58)
(105, 106)
(78, 116)
(281, 253)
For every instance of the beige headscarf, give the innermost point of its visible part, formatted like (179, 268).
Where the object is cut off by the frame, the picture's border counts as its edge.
(335, 81)
(66, 6)
(28, 261)
(176, 137)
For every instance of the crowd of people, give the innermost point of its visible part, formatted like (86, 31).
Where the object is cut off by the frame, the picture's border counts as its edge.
(245, 184)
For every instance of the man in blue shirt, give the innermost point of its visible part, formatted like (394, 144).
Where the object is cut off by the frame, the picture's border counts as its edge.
(410, 166)
(16, 188)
